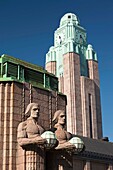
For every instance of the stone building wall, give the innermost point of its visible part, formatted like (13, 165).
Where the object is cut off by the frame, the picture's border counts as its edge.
(72, 90)
(66, 161)
(51, 67)
(78, 89)
(14, 97)
(89, 101)
(94, 75)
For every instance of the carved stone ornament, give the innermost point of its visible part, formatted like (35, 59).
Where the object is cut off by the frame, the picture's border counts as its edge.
(65, 139)
(29, 131)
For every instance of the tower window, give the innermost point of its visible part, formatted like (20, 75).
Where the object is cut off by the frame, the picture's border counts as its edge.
(69, 16)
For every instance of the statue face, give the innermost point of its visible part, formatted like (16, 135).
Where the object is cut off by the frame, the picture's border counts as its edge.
(62, 119)
(35, 111)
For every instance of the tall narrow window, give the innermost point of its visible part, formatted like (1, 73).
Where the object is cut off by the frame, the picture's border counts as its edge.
(90, 116)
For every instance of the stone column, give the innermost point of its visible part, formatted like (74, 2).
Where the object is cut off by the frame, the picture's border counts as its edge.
(110, 167)
(87, 166)
(61, 83)
(6, 126)
(60, 167)
(34, 158)
(94, 75)
(51, 67)
(72, 88)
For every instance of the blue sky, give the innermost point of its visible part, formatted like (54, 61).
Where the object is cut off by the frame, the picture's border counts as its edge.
(26, 32)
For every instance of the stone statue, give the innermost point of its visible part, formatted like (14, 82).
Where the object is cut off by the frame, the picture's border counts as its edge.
(29, 131)
(62, 135)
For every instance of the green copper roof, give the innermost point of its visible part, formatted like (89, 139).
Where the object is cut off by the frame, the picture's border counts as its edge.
(13, 69)
(5, 58)
(70, 36)
(69, 18)
(90, 53)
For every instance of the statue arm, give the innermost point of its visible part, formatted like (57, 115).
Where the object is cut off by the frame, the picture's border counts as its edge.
(24, 140)
(36, 140)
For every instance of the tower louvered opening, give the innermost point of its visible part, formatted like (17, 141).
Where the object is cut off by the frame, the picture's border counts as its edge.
(12, 70)
(34, 77)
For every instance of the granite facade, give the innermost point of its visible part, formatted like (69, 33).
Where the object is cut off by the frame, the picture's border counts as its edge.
(14, 97)
(83, 96)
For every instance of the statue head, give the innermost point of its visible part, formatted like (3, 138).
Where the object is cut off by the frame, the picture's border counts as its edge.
(32, 110)
(59, 117)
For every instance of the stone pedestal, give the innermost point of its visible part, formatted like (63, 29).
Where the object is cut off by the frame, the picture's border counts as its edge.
(35, 158)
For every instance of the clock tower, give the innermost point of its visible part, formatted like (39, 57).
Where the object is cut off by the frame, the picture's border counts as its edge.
(75, 63)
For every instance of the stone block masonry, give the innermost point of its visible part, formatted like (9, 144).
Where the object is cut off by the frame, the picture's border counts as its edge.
(14, 97)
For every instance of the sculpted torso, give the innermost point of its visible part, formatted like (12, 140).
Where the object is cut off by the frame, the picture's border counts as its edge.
(61, 134)
(29, 131)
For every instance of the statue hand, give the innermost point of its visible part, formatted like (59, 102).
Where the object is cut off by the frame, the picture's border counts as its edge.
(39, 140)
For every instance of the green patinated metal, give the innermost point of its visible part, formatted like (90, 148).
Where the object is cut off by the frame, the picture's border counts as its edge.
(13, 69)
(70, 37)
